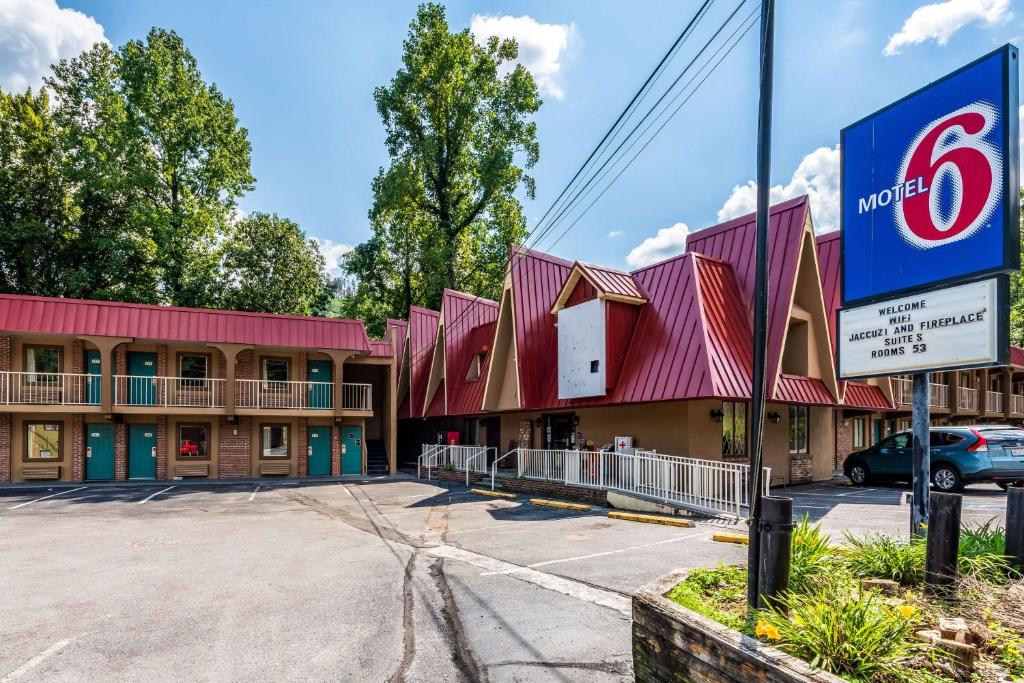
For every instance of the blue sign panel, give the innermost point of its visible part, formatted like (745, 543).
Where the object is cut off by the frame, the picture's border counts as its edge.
(929, 184)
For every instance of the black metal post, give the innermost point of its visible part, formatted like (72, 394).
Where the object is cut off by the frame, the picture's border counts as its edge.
(943, 544)
(756, 422)
(922, 464)
(1015, 527)
(776, 547)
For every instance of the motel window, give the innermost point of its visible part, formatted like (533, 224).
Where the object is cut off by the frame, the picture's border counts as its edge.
(44, 360)
(275, 369)
(193, 368)
(734, 428)
(274, 441)
(194, 441)
(476, 366)
(44, 441)
(902, 426)
(799, 423)
(859, 432)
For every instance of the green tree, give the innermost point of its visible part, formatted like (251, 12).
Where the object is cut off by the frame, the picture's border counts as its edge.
(154, 147)
(459, 136)
(270, 266)
(36, 206)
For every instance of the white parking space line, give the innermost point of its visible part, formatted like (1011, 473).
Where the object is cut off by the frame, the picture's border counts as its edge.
(601, 554)
(512, 525)
(252, 496)
(154, 495)
(37, 660)
(52, 495)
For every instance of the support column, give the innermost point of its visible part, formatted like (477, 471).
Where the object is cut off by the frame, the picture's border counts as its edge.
(5, 447)
(230, 352)
(161, 446)
(302, 446)
(107, 347)
(336, 450)
(339, 358)
(77, 447)
(921, 427)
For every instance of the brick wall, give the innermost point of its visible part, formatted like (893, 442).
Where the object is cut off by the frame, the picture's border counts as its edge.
(452, 476)
(121, 359)
(6, 349)
(335, 450)
(120, 451)
(844, 438)
(534, 487)
(301, 443)
(161, 447)
(800, 469)
(5, 447)
(235, 450)
(77, 447)
(77, 357)
(162, 367)
(243, 365)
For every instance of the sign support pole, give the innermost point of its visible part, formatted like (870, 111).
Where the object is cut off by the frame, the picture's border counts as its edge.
(756, 422)
(921, 425)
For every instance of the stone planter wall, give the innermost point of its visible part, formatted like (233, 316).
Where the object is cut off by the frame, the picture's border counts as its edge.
(672, 643)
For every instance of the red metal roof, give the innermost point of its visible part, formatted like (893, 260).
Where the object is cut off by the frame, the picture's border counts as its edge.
(828, 271)
(866, 396)
(1017, 356)
(609, 280)
(436, 407)
(726, 329)
(399, 331)
(422, 334)
(380, 348)
(469, 324)
(803, 390)
(45, 315)
(733, 241)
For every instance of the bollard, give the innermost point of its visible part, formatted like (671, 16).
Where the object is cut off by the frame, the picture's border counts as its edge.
(776, 532)
(943, 541)
(1015, 527)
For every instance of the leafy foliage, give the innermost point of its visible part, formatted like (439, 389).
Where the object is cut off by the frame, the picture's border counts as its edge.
(719, 594)
(886, 557)
(459, 135)
(813, 561)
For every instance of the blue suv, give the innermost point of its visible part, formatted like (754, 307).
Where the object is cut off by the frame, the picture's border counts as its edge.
(960, 456)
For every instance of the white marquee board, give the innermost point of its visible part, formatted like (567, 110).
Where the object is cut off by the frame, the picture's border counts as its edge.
(953, 327)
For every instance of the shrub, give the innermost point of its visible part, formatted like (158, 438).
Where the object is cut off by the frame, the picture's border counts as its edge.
(854, 635)
(884, 557)
(982, 552)
(813, 560)
(449, 467)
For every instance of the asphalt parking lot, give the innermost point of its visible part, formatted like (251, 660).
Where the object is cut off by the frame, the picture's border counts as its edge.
(381, 580)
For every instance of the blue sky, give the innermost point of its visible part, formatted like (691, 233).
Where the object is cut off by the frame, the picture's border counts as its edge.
(301, 75)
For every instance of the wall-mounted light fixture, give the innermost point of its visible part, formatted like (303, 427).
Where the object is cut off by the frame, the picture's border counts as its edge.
(717, 415)
(774, 417)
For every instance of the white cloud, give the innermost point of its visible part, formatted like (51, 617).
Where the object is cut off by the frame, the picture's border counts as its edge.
(36, 33)
(615, 234)
(938, 21)
(541, 46)
(333, 253)
(817, 176)
(669, 242)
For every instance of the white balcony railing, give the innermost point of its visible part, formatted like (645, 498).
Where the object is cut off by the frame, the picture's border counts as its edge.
(49, 388)
(993, 402)
(259, 393)
(966, 398)
(1017, 404)
(939, 395)
(168, 392)
(903, 392)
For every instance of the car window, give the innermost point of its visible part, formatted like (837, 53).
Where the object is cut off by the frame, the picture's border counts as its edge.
(1004, 436)
(897, 441)
(945, 439)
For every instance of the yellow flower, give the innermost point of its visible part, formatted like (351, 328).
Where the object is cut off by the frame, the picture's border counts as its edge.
(759, 630)
(772, 633)
(907, 611)
(766, 630)
(799, 540)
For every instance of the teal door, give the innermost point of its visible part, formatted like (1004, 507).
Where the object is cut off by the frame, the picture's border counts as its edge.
(99, 452)
(93, 383)
(351, 450)
(319, 464)
(142, 451)
(141, 389)
(320, 395)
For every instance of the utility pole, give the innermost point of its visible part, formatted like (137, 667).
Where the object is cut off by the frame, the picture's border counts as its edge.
(922, 465)
(764, 146)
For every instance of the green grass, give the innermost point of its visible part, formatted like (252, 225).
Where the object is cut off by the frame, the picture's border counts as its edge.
(719, 594)
(814, 563)
(885, 557)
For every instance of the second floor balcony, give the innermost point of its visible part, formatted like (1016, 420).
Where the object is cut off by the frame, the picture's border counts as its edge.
(135, 391)
(938, 394)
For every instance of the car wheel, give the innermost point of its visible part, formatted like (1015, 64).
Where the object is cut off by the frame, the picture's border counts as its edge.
(858, 474)
(947, 479)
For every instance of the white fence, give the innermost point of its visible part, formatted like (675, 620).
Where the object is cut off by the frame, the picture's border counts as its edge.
(261, 393)
(706, 486)
(993, 401)
(468, 459)
(50, 388)
(189, 392)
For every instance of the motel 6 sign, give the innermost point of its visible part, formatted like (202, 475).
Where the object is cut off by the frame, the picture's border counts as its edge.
(930, 224)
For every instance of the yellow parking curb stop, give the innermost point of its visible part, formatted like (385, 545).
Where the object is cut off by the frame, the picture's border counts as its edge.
(651, 519)
(493, 494)
(560, 505)
(725, 537)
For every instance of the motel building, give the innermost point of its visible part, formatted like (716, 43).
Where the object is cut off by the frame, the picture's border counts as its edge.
(575, 355)
(105, 391)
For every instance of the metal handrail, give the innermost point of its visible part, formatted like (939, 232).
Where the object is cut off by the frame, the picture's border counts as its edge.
(469, 461)
(494, 465)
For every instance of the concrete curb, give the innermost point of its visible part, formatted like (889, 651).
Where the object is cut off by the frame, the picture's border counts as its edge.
(652, 519)
(493, 494)
(726, 537)
(560, 505)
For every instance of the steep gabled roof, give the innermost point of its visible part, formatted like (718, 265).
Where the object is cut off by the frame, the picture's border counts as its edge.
(399, 331)
(733, 241)
(607, 283)
(469, 324)
(422, 332)
(828, 265)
